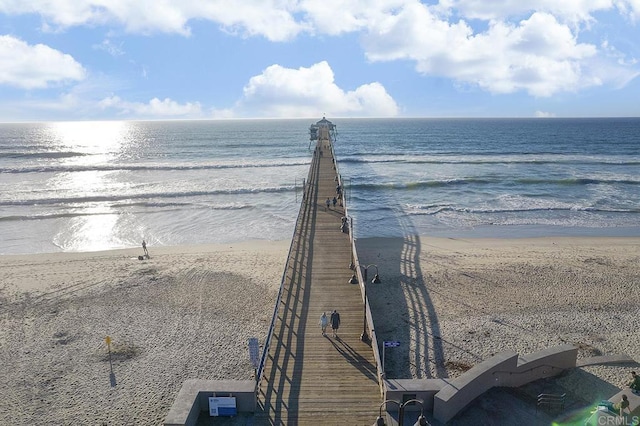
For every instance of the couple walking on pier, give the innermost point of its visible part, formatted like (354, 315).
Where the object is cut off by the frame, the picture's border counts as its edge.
(329, 202)
(335, 322)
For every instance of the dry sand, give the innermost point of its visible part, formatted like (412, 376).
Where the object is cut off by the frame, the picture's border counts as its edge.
(188, 313)
(454, 302)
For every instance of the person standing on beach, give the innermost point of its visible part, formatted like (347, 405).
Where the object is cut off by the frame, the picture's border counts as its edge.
(324, 321)
(335, 322)
(144, 247)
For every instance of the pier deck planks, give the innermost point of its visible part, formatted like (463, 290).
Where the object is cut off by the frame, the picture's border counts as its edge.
(311, 379)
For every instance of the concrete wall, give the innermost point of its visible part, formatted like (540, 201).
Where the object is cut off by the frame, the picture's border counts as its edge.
(539, 365)
(448, 397)
(459, 392)
(193, 399)
(504, 369)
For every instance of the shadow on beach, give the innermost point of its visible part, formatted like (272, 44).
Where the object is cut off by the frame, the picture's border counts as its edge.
(401, 306)
(403, 310)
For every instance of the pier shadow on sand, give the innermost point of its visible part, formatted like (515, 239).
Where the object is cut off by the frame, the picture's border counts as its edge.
(402, 307)
(403, 310)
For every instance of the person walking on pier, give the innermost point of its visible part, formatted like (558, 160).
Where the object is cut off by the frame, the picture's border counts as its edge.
(324, 321)
(327, 203)
(335, 322)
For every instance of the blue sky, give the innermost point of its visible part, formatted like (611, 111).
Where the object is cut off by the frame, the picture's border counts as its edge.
(200, 59)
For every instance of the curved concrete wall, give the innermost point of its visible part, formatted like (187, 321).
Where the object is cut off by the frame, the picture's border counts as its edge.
(505, 369)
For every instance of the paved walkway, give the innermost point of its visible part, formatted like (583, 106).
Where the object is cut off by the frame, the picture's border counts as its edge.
(311, 379)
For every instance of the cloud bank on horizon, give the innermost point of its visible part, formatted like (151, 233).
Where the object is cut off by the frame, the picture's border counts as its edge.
(117, 59)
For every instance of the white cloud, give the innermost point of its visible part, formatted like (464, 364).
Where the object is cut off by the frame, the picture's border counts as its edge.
(136, 16)
(629, 8)
(35, 66)
(274, 20)
(538, 55)
(279, 20)
(565, 10)
(336, 17)
(544, 114)
(155, 108)
(109, 47)
(284, 19)
(306, 92)
(531, 46)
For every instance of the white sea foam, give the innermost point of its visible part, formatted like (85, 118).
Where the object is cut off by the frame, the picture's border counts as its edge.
(64, 187)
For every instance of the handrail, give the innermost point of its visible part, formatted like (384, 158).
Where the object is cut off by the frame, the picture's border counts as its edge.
(372, 333)
(528, 370)
(551, 395)
(265, 349)
(551, 400)
(305, 205)
(354, 255)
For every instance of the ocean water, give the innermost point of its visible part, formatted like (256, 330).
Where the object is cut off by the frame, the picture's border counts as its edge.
(83, 186)
(494, 177)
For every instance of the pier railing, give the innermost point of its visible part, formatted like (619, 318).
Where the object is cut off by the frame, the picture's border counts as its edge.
(306, 204)
(355, 264)
(313, 169)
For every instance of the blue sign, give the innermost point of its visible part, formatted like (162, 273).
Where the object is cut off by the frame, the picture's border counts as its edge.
(391, 344)
(222, 406)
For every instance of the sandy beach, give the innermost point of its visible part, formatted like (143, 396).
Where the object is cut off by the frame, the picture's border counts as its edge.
(455, 302)
(188, 312)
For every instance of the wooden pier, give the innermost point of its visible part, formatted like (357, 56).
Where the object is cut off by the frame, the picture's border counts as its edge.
(309, 378)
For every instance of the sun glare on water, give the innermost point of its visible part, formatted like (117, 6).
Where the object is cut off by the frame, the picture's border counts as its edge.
(95, 146)
(97, 141)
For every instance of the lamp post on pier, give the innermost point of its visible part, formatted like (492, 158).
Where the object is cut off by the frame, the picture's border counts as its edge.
(422, 421)
(376, 280)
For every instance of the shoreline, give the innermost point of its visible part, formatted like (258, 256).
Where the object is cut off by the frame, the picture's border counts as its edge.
(516, 232)
(500, 232)
(201, 246)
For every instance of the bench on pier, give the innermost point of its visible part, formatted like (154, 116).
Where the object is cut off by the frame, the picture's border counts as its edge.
(193, 399)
